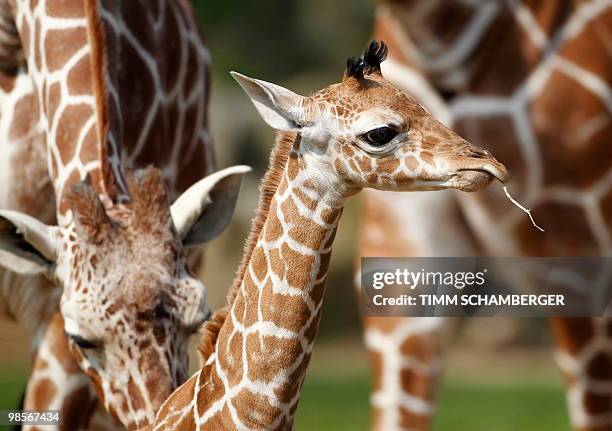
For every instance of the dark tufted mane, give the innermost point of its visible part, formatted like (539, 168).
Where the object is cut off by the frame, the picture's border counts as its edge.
(369, 62)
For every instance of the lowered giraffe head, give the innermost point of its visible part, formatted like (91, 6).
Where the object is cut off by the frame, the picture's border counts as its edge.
(366, 133)
(129, 302)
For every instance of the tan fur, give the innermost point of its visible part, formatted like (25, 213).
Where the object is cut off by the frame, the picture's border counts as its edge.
(210, 331)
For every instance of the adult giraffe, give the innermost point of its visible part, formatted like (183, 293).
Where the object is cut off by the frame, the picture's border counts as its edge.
(359, 133)
(532, 82)
(88, 88)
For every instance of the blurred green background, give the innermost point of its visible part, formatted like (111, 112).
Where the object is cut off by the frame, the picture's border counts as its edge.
(499, 373)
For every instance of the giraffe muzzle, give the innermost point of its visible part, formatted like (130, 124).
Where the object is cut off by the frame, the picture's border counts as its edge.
(471, 179)
(497, 171)
(480, 160)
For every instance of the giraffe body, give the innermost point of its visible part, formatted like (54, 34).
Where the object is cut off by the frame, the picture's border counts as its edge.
(360, 133)
(528, 81)
(90, 91)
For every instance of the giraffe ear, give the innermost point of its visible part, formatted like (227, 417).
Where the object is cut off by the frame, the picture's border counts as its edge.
(204, 210)
(282, 109)
(27, 246)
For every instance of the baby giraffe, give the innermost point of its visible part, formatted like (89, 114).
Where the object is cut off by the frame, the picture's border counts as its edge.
(362, 132)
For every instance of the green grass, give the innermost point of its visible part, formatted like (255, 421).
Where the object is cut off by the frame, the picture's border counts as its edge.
(341, 403)
(334, 403)
(12, 385)
(502, 407)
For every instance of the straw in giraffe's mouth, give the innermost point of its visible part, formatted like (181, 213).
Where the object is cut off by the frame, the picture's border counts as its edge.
(476, 179)
(522, 208)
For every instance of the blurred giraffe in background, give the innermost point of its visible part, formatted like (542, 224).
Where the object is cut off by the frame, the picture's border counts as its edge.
(532, 82)
(88, 89)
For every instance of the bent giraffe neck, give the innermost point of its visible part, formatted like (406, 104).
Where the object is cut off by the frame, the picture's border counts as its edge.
(253, 377)
(64, 54)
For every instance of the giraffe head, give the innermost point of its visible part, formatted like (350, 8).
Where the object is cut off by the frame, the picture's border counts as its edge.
(365, 133)
(129, 302)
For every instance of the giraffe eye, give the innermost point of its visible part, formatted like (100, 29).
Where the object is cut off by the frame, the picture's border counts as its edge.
(380, 136)
(81, 342)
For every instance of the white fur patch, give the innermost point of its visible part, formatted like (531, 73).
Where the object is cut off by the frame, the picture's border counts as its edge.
(70, 326)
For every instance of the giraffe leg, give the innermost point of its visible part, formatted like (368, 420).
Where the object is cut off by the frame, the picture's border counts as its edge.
(406, 358)
(584, 354)
(57, 383)
(406, 352)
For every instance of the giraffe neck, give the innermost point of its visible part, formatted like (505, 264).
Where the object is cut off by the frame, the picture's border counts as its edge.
(63, 49)
(265, 344)
(253, 377)
(82, 58)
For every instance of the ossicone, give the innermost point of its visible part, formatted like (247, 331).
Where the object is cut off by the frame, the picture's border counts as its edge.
(368, 63)
(149, 194)
(88, 212)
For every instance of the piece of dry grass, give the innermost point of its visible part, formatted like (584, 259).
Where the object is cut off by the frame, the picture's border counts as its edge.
(528, 211)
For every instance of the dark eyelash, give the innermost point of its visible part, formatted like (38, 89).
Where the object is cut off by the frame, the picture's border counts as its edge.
(81, 342)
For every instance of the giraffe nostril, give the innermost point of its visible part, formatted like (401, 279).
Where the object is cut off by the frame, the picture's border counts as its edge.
(478, 152)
